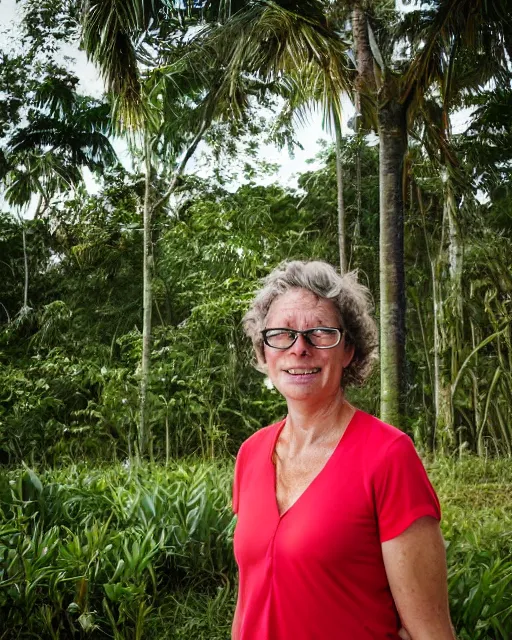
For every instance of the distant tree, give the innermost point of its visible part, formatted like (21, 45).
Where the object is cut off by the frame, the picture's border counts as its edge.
(65, 133)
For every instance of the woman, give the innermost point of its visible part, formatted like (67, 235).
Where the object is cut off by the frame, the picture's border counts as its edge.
(337, 534)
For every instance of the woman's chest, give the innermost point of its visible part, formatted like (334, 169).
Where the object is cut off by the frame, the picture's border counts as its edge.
(294, 476)
(328, 516)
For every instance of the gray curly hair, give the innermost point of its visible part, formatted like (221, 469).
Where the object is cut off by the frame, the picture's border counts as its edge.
(352, 301)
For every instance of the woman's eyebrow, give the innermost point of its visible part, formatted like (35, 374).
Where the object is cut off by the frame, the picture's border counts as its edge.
(289, 323)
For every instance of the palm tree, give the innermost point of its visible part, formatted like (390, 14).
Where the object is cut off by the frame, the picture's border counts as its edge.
(65, 133)
(293, 47)
(395, 95)
(122, 39)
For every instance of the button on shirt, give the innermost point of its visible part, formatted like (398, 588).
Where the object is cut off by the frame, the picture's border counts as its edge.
(316, 572)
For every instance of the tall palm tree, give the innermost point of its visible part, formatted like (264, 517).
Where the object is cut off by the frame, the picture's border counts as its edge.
(378, 107)
(127, 41)
(397, 94)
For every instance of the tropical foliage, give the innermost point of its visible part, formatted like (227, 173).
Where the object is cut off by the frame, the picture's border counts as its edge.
(146, 552)
(121, 304)
(69, 380)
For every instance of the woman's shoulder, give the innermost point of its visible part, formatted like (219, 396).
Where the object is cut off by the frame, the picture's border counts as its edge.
(381, 438)
(378, 429)
(262, 437)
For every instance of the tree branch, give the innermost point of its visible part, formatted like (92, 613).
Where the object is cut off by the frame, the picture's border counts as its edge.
(179, 171)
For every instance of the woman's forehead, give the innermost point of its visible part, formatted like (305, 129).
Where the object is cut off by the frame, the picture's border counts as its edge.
(301, 303)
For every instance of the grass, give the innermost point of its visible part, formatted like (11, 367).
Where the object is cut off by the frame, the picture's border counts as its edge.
(195, 614)
(476, 495)
(125, 552)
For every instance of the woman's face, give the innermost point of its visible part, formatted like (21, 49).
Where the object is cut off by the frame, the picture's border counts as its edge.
(303, 372)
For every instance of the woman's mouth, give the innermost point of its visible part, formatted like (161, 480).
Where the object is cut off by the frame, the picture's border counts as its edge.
(302, 372)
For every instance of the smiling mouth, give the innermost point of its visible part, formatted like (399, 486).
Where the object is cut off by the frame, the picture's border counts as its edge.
(302, 372)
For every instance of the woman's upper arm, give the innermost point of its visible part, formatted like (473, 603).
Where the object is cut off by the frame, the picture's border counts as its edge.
(415, 564)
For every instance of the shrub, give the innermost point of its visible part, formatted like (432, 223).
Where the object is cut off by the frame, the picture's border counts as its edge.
(146, 552)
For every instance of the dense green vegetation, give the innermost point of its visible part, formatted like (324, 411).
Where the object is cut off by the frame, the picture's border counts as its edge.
(69, 380)
(145, 552)
(120, 311)
(125, 380)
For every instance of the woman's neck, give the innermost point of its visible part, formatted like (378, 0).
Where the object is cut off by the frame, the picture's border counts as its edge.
(308, 425)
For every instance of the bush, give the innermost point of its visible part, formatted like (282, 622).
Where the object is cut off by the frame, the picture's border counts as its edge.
(92, 552)
(146, 552)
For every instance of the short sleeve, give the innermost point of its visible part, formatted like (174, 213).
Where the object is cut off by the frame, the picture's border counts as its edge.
(402, 490)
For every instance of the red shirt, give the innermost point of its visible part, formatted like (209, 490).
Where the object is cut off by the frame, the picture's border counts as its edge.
(316, 572)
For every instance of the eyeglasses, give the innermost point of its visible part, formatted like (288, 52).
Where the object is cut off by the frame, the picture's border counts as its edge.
(319, 337)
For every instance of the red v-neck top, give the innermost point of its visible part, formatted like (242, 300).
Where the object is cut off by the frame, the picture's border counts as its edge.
(316, 572)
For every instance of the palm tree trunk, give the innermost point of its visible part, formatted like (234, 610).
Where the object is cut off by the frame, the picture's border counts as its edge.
(341, 206)
(144, 434)
(433, 368)
(449, 325)
(25, 306)
(25, 252)
(456, 259)
(25, 258)
(437, 342)
(365, 84)
(357, 226)
(393, 143)
(442, 378)
(148, 267)
(365, 81)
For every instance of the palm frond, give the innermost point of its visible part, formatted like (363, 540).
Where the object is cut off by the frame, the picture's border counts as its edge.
(476, 25)
(269, 42)
(121, 36)
(109, 32)
(45, 173)
(57, 93)
(307, 92)
(86, 146)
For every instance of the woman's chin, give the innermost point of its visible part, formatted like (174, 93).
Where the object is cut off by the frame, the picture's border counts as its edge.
(300, 388)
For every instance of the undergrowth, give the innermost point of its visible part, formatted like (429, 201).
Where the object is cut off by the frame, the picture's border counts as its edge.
(146, 552)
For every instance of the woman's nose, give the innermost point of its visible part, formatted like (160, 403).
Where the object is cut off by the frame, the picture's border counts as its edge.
(301, 345)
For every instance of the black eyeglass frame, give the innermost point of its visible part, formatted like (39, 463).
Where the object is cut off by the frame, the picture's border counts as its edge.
(306, 333)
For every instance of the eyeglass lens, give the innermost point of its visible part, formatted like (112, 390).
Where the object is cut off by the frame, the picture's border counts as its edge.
(318, 337)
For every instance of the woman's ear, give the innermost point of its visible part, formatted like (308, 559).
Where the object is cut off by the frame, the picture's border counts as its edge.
(348, 354)
(260, 359)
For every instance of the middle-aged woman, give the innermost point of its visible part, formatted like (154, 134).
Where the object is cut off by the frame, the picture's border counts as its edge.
(337, 534)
